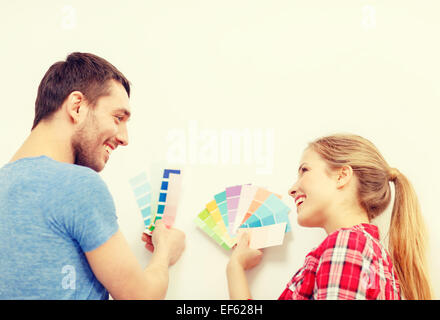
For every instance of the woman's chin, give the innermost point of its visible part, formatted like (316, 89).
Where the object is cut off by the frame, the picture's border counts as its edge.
(305, 220)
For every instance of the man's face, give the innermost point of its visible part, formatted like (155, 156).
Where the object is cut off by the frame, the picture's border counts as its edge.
(104, 129)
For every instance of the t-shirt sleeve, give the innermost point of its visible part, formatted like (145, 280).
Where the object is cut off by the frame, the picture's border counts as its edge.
(93, 220)
(344, 268)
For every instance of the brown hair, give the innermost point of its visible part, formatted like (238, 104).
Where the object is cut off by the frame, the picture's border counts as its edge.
(84, 72)
(407, 235)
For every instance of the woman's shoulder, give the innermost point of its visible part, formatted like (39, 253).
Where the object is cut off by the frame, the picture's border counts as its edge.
(357, 238)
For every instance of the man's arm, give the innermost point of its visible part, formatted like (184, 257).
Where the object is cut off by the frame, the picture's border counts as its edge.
(116, 267)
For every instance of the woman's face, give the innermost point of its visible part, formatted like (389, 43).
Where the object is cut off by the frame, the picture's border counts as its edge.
(314, 191)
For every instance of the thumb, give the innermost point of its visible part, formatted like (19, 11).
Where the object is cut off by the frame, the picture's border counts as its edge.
(244, 238)
(161, 224)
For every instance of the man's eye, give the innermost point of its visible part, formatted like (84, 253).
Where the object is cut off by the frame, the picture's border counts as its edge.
(119, 118)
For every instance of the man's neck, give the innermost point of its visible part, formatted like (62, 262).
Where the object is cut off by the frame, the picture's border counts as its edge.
(46, 140)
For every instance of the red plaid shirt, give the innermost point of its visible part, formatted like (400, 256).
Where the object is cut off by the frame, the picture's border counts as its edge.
(349, 264)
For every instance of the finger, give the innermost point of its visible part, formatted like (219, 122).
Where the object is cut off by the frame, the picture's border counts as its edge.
(162, 224)
(149, 247)
(146, 237)
(158, 223)
(244, 238)
(149, 240)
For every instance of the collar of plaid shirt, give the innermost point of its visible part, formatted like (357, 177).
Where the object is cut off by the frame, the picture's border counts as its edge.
(367, 228)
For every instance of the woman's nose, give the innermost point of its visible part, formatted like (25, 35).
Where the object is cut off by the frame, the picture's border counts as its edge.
(292, 190)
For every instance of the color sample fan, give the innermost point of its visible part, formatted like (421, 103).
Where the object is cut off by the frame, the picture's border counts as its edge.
(168, 198)
(262, 213)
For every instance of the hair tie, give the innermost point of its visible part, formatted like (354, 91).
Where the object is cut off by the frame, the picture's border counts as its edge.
(393, 174)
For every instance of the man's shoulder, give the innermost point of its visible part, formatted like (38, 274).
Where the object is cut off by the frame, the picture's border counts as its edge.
(76, 177)
(59, 175)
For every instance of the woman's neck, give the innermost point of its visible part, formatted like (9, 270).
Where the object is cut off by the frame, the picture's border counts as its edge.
(346, 219)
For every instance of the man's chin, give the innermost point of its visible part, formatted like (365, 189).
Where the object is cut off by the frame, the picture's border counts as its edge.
(98, 167)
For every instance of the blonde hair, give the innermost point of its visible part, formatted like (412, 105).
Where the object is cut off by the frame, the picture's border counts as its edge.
(407, 236)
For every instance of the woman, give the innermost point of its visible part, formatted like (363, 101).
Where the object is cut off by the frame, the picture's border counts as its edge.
(343, 183)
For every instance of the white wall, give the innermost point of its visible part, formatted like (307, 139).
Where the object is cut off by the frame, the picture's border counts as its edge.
(288, 71)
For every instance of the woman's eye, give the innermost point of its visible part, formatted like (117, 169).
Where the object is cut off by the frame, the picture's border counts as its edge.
(304, 170)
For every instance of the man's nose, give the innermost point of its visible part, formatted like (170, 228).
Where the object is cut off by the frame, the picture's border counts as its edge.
(122, 136)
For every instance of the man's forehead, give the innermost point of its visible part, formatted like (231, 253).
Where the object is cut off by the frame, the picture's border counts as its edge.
(119, 97)
(118, 90)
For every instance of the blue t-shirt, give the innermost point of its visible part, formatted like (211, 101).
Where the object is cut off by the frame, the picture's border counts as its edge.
(51, 213)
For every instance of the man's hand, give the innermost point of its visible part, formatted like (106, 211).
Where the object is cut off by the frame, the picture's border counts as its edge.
(167, 242)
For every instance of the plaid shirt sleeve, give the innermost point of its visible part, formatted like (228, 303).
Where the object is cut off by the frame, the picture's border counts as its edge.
(347, 265)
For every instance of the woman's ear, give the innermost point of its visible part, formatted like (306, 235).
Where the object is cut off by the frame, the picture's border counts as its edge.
(76, 106)
(344, 176)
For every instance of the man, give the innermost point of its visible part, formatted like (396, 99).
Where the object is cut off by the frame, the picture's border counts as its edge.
(59, 237)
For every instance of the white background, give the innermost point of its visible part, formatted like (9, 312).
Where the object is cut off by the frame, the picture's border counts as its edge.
(299, 69)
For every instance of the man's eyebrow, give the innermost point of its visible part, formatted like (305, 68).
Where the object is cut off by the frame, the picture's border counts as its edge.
(125, 111)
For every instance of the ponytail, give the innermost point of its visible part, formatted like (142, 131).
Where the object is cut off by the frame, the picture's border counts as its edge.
(407, 235)
(408, 241)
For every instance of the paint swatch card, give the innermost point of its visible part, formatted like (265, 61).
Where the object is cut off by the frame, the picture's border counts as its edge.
(220, 199)
(232, 200)
(169, 195)
(267, 236)
(271, 211)
(245, 207)
(212, 228)
(260, 196)
(247, 195)
(142, 191)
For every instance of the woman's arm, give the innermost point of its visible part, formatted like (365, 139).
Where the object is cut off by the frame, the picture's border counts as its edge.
(243, 258)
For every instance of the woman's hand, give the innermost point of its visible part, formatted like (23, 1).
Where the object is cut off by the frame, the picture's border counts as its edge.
(242, 258)
(243, 255)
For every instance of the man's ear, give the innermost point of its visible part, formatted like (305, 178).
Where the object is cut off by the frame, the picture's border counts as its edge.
(76, 106)
(344, 176)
